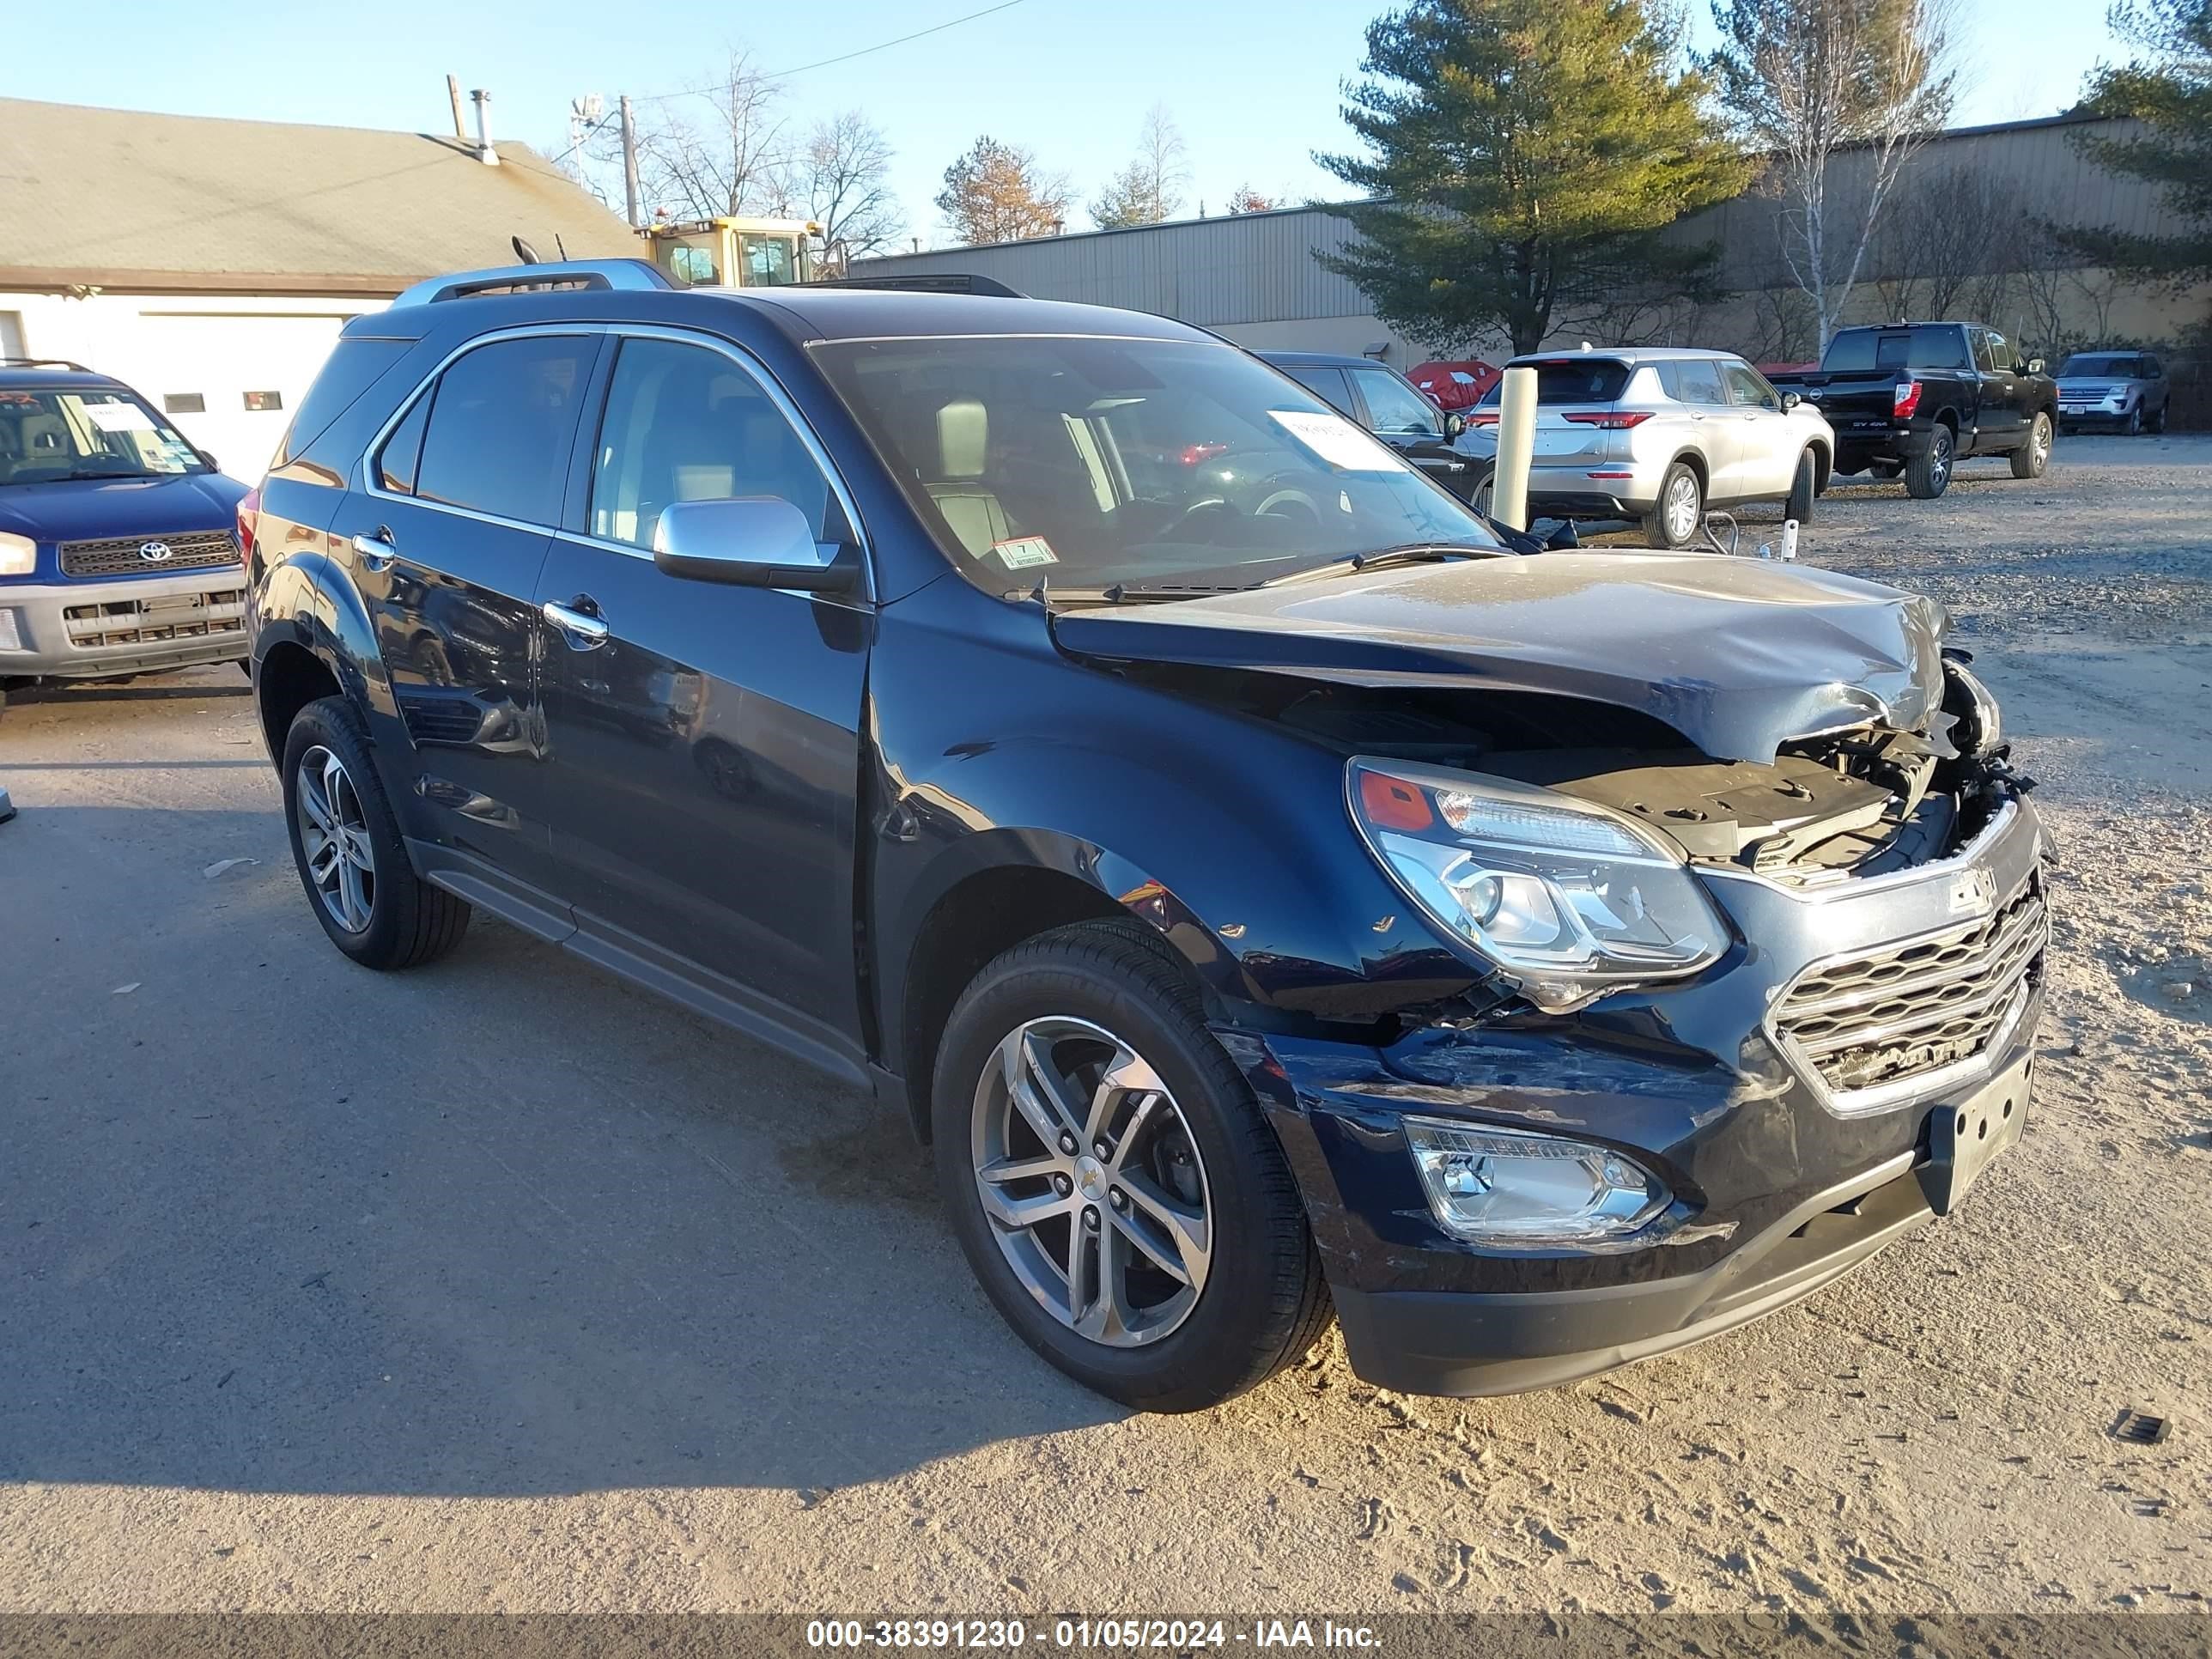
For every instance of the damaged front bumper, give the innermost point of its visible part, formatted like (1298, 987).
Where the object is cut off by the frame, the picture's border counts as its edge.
(1837, 1078)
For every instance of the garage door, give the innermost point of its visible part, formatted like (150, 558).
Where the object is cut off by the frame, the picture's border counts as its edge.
(230, 380)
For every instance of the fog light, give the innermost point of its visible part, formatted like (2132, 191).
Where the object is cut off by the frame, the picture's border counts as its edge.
(1508, 1188)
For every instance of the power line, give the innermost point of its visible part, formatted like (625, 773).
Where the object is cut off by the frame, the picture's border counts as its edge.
(842, 58)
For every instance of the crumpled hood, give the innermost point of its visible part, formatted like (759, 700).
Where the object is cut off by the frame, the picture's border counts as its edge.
(93, 509)
(1739, 655)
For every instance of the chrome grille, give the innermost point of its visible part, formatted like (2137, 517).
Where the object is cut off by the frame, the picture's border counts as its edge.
(150, 622)
(1874, 1027)
(119, 556)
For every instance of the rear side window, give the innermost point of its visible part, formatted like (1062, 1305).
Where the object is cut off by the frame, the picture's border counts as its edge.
(500, 426)
(1692, 381)
(355, 364)
(685, 424)
(1326, 384)
(403, 450)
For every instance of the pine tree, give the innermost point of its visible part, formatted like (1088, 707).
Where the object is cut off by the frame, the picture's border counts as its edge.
(1524, 157)
(2169, 89)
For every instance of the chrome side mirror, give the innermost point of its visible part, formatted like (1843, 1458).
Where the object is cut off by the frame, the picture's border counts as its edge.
(1790, 401)
(750, 541)
(2035, 365)
(1455, 423)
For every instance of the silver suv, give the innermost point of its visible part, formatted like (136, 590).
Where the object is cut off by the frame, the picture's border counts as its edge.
(1659, 434)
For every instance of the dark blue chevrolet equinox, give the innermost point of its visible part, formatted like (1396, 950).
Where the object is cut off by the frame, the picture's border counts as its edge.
(1270, 896)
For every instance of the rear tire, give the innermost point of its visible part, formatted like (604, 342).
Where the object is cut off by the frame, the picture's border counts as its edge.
(2029, 460)
(1928, 474)
(1071, 1011)
(1803, 489)
(1675, 519)
(347, 846)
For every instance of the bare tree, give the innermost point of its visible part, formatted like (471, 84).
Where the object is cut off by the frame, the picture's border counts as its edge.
(735, 157)
(1954, 237)
(844, 180)
(1150, 189)
(997, 193)
(1805, 79)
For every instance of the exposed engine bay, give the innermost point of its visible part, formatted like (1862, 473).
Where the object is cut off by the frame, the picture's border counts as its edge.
(1862, 801)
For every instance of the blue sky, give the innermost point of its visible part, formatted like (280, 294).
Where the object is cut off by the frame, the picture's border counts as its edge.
(1253, 84)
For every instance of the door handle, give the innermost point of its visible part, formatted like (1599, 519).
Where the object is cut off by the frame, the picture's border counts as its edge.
(583, 630)
(376, 551)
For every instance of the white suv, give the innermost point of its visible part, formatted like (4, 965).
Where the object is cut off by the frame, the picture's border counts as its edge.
(1660, 434)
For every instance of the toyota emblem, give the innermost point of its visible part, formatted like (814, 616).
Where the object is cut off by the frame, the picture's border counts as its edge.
(154, 552)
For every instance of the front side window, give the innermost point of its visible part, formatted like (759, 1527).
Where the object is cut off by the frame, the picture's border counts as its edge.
(1163, 464)
(685, 424)
(769, 261)
(46, 436)
(1395, 407)
(1748, 387)
(2001, 352)
(501, 420)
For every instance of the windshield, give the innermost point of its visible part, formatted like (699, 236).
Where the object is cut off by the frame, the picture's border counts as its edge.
(46, 435)
(2124, 369)
(1137, 463)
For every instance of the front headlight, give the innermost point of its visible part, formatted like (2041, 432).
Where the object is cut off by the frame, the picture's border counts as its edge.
(18, 555)
(1506, 1187)
(1569, 899)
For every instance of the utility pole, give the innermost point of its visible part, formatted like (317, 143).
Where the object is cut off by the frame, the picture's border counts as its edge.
(454, 92)
(630, 162)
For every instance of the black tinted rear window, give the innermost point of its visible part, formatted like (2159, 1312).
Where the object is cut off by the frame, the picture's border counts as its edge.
(1570, 381)
(1861, 351)
(500, 422)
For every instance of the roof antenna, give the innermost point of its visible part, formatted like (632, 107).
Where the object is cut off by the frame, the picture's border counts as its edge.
(524, 251)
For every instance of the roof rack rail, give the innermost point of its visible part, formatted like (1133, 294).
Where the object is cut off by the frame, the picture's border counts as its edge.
(42, 363)
(629, 275)
(950, 281)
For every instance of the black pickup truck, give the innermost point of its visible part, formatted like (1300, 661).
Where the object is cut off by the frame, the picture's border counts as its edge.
(1917, 398)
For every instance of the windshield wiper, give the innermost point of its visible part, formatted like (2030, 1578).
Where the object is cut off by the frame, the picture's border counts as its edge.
(1404, 553)
(110, 472)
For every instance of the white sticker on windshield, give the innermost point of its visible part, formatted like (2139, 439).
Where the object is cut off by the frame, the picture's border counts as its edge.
(1335, 440)
(118, 417)
(1019, 551)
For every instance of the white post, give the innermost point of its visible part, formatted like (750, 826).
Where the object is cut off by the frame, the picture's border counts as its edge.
(1517, 448)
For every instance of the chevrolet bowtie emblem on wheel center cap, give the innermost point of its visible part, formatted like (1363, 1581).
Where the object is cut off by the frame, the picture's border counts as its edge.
(154, 552)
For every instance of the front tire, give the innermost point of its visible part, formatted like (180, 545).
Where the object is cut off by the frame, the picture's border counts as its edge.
(2031, 457)
(1804, 487)
(347, 847)
(1675, 519)
(1928, 474)
(1111, 1179)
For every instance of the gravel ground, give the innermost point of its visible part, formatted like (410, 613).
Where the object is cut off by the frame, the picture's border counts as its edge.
(502, 1286)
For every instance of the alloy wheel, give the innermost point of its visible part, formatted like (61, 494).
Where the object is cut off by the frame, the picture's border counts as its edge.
(334, 840)
(2041, 437)
(1682, 507)
(1939, 461)
(1092, 1182)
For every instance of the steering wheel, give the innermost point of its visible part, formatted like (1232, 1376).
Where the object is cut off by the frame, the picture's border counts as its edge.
(1300, 504)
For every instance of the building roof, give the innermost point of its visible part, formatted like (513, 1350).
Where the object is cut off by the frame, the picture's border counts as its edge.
(127, 199)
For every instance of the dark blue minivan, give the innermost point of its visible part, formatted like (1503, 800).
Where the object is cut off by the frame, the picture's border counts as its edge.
(119, 541)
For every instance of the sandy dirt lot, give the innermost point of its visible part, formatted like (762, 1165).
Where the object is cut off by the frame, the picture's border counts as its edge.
(502, 1286)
